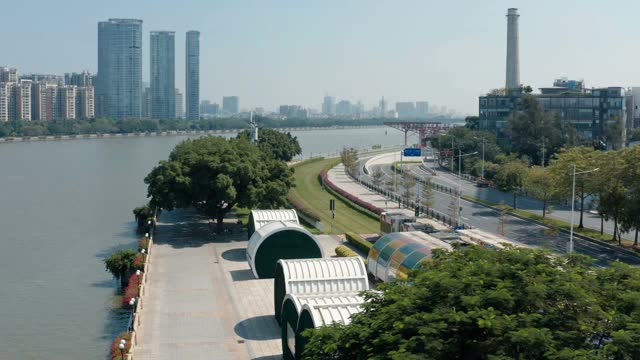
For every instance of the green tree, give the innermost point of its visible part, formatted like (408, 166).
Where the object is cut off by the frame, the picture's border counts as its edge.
(377, 177)
(561, 168)
(282, 146)
(511, 177)
(614, 133)
(611, 190)
(408, 183)
(349, 157)
(474, 303)
(213, 175)
(427, 195)
(472, 122)
(540, 184)
(119, 264)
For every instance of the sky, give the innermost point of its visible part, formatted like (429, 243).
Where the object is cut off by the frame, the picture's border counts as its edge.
(273, 52)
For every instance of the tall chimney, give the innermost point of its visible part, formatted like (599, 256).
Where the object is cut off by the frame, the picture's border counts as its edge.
(513, 59)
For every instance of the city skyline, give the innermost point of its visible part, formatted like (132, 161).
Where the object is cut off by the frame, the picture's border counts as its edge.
(421, 57)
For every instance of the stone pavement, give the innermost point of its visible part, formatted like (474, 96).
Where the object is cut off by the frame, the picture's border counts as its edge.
(202, 299)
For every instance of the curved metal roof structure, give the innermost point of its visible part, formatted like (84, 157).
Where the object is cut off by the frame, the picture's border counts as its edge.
(279, 240)
(394, 254)
(260, 218)
(292, 308)
(318, 276)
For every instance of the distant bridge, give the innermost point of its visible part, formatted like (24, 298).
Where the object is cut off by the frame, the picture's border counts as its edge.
(425, 129)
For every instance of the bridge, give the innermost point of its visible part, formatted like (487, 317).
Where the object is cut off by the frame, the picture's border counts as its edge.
(424, 129)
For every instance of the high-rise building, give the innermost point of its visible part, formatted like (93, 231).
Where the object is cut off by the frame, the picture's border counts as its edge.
(406, 110)
(383, 107)
(231, 104)
(20, 100)
(329, 105)
(8, 75)
(4, 101)
(146, 103)
(79, 79)
(163, 80)
(43, 101)
(119, 86)
(85, 102)
(179, 108)
(422, 109)
(293, 111)
(513, 57)
(206, 107)
(192, 75)
(344, 108)
(44, 78)
(66, 102)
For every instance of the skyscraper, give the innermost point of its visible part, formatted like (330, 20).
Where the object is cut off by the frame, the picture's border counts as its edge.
(119, 87)
(329, 105)
(231, 104)
(163, 77)
(179, 108)
(422, 109)
(192, 75)
(513, 58)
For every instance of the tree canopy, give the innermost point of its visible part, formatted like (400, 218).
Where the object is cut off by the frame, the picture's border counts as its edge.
(475, 303)
(280, 145)
(213, 174)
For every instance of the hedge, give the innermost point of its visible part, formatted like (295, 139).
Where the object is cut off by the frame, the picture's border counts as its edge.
(139, 261)
(132, 289)
(359, 242)
(143, 244)
(303, 210)
(352, 198)
(343, 251)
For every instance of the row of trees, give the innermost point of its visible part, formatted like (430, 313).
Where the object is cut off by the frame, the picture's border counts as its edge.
(474, 303)
(213, 174)
(614, 189)
(107, 126)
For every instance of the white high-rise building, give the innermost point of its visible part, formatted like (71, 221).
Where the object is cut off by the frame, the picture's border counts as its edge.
(66, 102)
(513, 57)
(4, 101)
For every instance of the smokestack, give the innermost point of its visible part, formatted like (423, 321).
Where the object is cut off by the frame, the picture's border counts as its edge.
(513, 58)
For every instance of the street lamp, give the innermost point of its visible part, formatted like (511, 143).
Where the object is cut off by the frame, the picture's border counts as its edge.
(121, 347)
(573, 200)
(138, 272)
(482, 171)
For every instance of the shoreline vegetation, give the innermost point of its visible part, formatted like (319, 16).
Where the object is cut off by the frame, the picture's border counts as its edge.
(96, 128)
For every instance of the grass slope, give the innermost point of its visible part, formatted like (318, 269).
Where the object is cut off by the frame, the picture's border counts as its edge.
(309, 192)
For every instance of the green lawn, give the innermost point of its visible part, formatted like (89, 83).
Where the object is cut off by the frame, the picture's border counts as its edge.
(309, 192)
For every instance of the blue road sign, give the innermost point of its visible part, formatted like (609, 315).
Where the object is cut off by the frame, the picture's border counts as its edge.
(412, 152)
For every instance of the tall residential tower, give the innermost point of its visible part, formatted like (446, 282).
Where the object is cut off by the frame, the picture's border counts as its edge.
(192, 75)
(163, 77)
(119, 87)
(513, 58)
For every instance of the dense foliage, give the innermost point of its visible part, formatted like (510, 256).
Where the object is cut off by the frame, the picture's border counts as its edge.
(120, 263)
(108, 126)
(476, 303)
(281, 146)
(213, 174)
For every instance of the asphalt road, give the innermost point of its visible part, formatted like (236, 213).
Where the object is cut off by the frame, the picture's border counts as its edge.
(515, 228)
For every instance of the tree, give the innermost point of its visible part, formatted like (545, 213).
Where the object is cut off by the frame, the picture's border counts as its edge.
(213, 175)
(377, 177)
(349, 157)
(511, 177)
(610, 184)
(540, 185)
(408, 183)
(280, 145)
(472, 122)
(561, 168)
(474, 303)
(427, 196)
(631, 217)
(614, 133)
(531, 128)
(119, 264)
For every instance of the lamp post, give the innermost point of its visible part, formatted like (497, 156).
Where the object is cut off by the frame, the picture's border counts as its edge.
(121, 347)
(573, 200)
(138, 272)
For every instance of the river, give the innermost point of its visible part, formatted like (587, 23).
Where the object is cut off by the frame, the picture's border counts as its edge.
(64, 206)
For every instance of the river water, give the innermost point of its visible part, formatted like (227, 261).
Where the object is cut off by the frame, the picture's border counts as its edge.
(64, 206)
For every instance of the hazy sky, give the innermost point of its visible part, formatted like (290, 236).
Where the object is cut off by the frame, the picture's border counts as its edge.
(293, 52)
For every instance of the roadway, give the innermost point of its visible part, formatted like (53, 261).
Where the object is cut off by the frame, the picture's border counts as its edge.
(515, 228)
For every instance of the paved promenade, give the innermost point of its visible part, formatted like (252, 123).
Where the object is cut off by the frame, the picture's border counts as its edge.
(202, 299)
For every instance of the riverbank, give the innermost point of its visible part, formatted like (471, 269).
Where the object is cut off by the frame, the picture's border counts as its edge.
(169, 133)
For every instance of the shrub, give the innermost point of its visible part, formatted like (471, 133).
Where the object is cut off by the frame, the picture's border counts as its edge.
(119, 264)
(359, 242)
(139, 261)
(304, 210)
(352, 198)
(343, 251)
(115, 350)
(132, 289)
(144, 244)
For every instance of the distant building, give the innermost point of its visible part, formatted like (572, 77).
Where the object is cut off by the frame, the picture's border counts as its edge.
(406, 110)
(329, 105)
(8, 75)
(344, 108)
(44, 78)
(82, 79)
(382, 107)
(179, 109)
(85, 102)
(44, 98)
(422, 109)
(4, 101)
(66, 102)
(206, 107)
(146, 103)
(192, 75)
(162, 77)
(20, 101)
(231, 104)
(589, 111)
(119, 86)
(293, 111)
